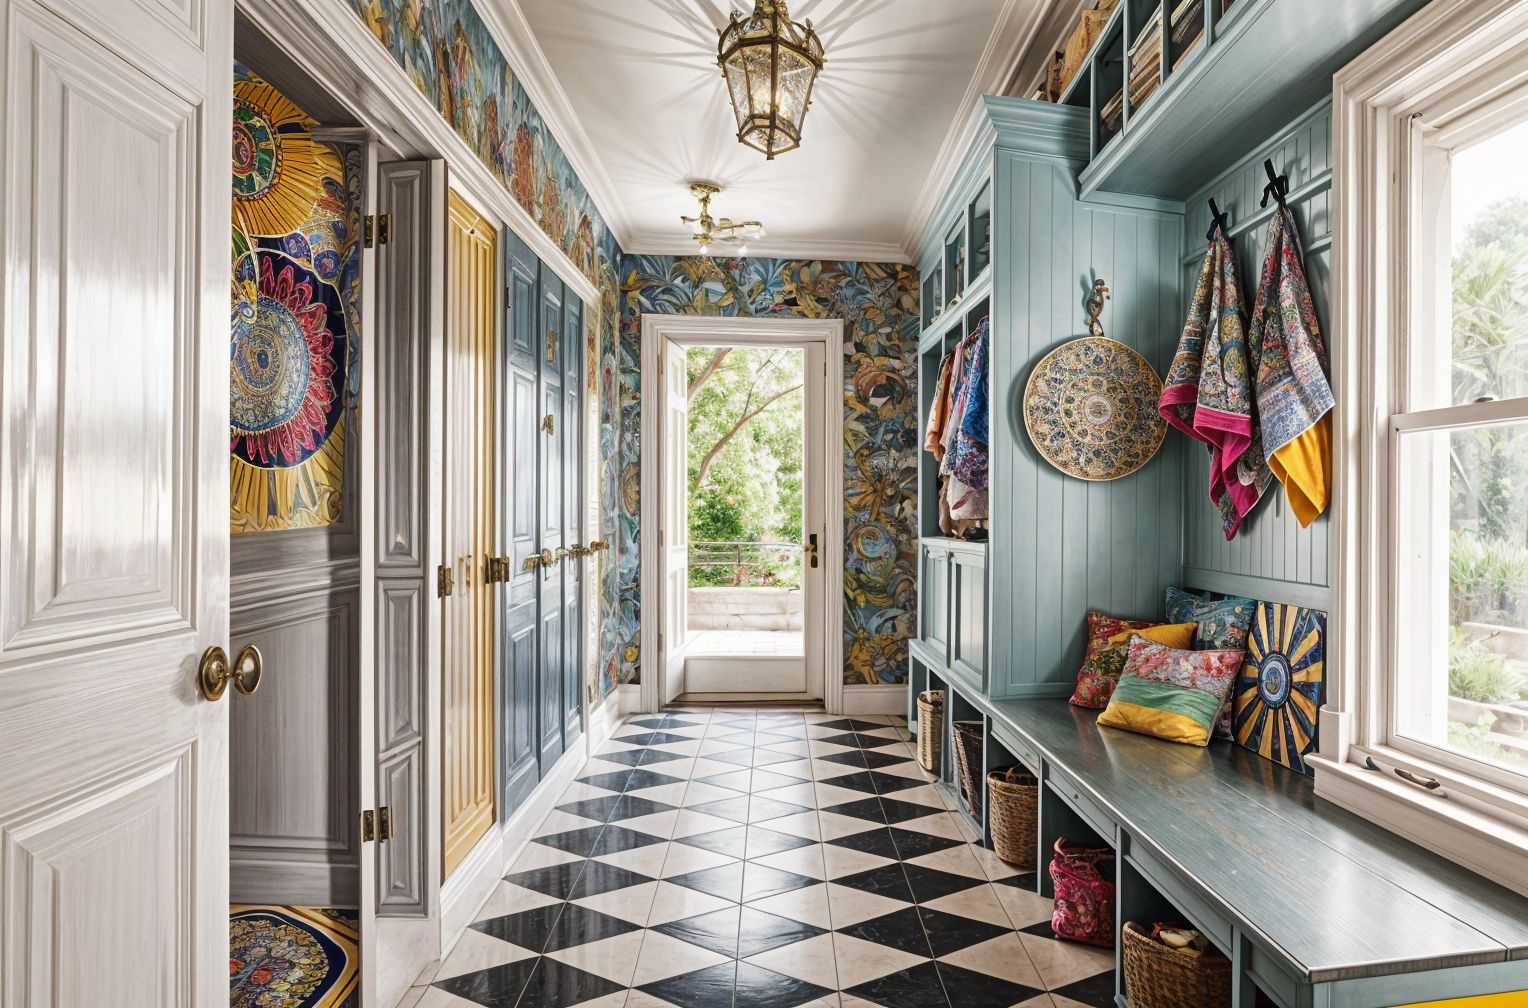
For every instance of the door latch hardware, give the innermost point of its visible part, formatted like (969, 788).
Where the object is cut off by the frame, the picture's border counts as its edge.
(376, 229)
(368, 826)
(445, 581)
(811, 550)
(551, 346)
(385, 822)
(548, 425)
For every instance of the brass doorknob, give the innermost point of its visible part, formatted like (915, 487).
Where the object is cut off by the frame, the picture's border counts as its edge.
(598, 545)
(563, 553)
(531, 562)
(548, 558)
(213, 673)
(579, 550)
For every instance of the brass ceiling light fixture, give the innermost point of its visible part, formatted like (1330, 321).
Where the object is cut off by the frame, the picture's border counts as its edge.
(770, 64)
(712, 230)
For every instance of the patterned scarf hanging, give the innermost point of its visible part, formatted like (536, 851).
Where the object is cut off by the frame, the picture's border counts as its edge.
(1209, 392)
(1294, 400)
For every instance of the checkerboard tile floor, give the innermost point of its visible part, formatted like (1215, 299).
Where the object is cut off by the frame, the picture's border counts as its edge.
(762, 859)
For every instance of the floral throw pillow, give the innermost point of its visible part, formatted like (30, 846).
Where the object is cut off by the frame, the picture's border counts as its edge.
(1172, 693)
(1223, 623)
(1108, 641)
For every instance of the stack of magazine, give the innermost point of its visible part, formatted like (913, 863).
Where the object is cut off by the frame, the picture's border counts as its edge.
(1146, 60)
(1187, 28)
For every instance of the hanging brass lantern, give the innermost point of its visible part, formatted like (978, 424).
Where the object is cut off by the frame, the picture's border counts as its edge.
(770, 64)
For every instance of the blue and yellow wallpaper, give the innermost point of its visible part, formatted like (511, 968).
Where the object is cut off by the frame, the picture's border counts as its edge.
(879, 305)
(294, 366)
(446, 49)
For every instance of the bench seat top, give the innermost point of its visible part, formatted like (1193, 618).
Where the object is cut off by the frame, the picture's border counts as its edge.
(1335, 895)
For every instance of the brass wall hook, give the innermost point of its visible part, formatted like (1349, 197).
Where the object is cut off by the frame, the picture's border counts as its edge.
(1096, 306)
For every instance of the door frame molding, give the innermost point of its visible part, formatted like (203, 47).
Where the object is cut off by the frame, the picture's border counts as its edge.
(700, 330)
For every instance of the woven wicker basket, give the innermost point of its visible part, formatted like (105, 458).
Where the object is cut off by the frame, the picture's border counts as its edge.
(1013, 803)
(930, 728)
(970, 741)
(1160, 977)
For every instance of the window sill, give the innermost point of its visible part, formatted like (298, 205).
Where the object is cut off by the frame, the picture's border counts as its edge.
(1493, 846)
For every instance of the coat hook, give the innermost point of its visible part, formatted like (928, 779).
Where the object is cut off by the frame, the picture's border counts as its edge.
(1218, 221)
(1277, 187)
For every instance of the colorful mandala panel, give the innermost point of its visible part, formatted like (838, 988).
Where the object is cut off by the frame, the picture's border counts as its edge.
(1282, 684)
(278, 168)
(292, 957)
(1091, 409)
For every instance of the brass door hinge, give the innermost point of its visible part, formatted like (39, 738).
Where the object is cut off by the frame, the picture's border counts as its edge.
(445, 581)
(368, 826)
(385, 822)
(548, 425)
(376, 229)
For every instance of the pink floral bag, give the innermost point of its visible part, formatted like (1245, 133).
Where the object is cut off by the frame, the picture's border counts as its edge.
(1084, 910)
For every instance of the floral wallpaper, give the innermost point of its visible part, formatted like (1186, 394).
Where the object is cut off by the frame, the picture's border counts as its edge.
(446, 49)
(879, 303)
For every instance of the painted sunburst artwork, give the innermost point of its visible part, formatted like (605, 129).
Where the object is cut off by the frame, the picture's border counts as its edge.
(1282, 683)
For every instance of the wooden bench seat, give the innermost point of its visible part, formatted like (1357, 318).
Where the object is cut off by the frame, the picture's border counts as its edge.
(1315, 905)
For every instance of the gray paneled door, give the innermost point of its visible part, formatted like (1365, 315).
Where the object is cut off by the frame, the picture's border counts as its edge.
(541, 645)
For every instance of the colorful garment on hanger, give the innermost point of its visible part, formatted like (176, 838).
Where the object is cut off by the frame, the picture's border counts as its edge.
(1209, 393)
(971, 422)
(939, 409)
(1294, 399)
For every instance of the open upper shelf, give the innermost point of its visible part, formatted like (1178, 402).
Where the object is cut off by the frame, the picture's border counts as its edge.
(1253, 62)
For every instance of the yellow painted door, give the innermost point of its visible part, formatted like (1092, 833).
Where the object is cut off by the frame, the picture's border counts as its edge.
(468, 617)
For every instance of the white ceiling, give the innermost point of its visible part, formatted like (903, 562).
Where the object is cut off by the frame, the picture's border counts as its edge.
(641, 81)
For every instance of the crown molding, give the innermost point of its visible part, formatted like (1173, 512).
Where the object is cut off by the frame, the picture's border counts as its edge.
(507, 24)
(665, 243)
(1019, 27)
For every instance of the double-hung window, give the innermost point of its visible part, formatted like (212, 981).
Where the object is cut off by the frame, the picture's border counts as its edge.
(1427, 730)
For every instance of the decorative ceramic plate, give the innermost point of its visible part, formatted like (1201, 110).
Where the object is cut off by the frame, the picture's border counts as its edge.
(1091, 409)
(1282, 683)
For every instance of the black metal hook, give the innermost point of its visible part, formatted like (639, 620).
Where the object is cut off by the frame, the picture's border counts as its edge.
(1218, 221)
(1277, 187)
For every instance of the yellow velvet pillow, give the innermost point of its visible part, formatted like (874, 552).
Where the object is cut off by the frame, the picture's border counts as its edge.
(1174, 635)
(1105, 659)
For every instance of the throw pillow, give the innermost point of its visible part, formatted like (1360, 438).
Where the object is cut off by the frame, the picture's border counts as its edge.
(1171, 693)
(1223, 623)
(1108, 642)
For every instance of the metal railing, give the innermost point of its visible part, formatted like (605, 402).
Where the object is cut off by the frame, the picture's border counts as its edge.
(751, 564)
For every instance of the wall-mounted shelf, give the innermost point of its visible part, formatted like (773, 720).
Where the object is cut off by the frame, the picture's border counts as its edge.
(1227, 76)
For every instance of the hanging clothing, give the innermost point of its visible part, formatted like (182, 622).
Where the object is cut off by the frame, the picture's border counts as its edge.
(1209, 393)
(939, 409)
(971, 422)
(1294, 398)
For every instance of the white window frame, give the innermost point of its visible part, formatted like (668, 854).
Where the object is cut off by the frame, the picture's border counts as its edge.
(1436, 73)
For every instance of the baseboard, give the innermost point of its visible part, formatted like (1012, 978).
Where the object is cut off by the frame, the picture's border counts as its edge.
(875, 700)
(603, 721)
(631, 698)
(468, 888)
(475, 879)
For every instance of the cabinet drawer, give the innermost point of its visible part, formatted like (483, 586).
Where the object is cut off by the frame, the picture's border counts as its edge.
(1188, 898)
(1018, 747)
(1073, 795)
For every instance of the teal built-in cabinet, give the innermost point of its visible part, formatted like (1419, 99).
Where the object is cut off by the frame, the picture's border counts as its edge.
(1013, 242)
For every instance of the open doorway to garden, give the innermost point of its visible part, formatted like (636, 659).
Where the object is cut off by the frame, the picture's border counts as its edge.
(741, 468)
(745, 463)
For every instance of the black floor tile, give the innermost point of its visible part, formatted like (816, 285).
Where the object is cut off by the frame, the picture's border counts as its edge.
(851, 725)
(663, 723)
(868, 809)
(877, 840)
(918, 987)
(855, 758)
(759, 931)
(970, 989)
(558, 985)
(731, 842)
(707, 988)
(758, 987)
(761, 881)
(631, 757)
(498, 987)
(724, 881)
(717, 930)
(554, 880)
(634, 779)
(1097, 990)
(911, 843)
(528, 929)
(763, 841)
(578, 925)
(901, 930)
(1023, 880)
(615, 839)
(898, 811)
(949, 933)
(599, 877)
(860, 740)
(887, 880)
(930, 884)
(653, 738)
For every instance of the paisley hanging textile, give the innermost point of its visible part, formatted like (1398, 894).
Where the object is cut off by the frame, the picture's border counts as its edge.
(295, 272)
(1294, 399)
(1209, 393)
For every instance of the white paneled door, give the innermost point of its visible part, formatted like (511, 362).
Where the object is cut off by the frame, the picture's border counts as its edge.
(114, 199)
(674, 530)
